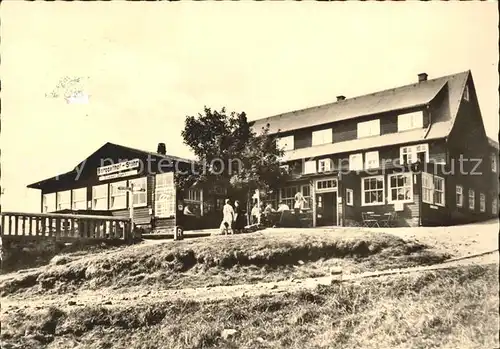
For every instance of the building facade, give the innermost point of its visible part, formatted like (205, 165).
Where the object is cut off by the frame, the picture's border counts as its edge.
(418, 152)
(98, 186)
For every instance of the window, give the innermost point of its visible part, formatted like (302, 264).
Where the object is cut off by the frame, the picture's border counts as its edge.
(165, 195)
(285, 143)
(325, 165)
(460, 196)
(100, 197)
(410, 121)
(140, 193)
(494, 206)
(493, 162)
(355, 162)
(64, 200)
(326, 184)
(369, 128)
(410, 154)
(482, 202)
(433, 189)
(193, 195)
(400, 187)
(349, 197)
(439, 191)
(322, 137)
(371, 160)
(372, 190)
(79, 200)
(310, 167)
(117, 197)
(49, 202)
(466, 93)
(287, 195)
(472, 199)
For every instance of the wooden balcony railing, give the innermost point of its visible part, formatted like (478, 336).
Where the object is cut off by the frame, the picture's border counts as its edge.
(64, 226)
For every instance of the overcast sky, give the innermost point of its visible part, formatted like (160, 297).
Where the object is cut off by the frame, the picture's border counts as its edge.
(148, 65)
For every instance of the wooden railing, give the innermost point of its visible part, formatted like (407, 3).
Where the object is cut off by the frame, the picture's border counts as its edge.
(64, 226)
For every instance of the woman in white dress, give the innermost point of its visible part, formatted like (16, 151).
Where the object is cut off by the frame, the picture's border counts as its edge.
(226, 225)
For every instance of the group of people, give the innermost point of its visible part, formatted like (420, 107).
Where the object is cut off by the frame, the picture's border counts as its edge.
(233, 219)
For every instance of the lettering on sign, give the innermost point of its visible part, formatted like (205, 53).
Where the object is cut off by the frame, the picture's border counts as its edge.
(121, 166)
(118, 175)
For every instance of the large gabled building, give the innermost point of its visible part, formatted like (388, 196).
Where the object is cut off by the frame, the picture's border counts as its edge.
(357, 156)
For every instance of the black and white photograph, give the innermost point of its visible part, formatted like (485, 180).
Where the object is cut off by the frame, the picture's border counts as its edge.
(249, 174)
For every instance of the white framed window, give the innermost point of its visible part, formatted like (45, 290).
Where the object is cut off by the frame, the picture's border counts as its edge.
(193, 195)
(493, 157)
(466, 93)
(287, 195)
(472, 199)
(325, 165)
(482, 202)
(79, 200)
(140, 192)
(410, 154)
(326, 184)
(494, 206)
(433, 189)
(117, 197)
(372, 191)
(439, 191)
(410, 121)
(64, 200)
(100, 197)
(322, 137)
(164, 195)
(369, 128)
(310, 167)
(349, 197)
(356, 162)
(49, 203)
(286, 143)
(372, 160)
(400, 187)
(460, 196)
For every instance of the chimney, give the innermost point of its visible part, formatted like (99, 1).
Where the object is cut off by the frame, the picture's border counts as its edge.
(422, 77)
(340, 98)
(162, 149)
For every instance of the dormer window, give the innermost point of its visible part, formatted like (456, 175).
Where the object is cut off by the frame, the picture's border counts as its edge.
(322, 137)
(369, 128)
(466, 93)
(410, 121)
(285, 143)
(410, 154)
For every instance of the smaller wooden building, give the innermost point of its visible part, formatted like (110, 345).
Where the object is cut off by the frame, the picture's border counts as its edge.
(96, 185)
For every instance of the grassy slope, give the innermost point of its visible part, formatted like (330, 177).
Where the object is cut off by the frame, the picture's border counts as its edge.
(446, 309)
(222, 261)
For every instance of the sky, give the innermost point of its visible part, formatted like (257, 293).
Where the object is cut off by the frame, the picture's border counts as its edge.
(144, 66)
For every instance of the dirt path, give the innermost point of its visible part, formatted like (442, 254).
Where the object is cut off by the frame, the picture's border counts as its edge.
(112, 298)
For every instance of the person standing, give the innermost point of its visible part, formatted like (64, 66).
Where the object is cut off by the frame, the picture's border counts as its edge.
(239, 218)
(255, 214)
(226, 225)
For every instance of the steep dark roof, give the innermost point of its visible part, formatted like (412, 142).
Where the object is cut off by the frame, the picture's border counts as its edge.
(400, 98)
(71, 174)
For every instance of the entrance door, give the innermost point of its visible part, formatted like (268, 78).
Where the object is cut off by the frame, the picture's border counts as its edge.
(326, 209)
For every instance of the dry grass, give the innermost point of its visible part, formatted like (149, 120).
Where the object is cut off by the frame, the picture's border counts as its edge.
(446, 309)
(223, 261)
